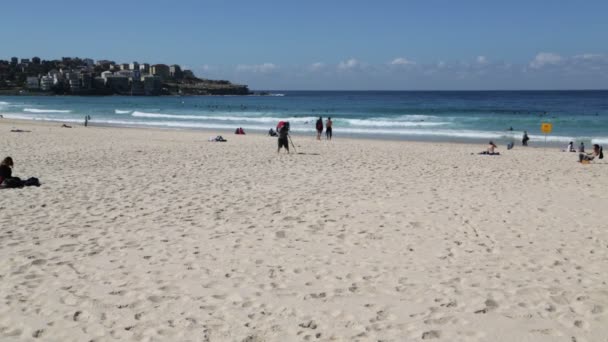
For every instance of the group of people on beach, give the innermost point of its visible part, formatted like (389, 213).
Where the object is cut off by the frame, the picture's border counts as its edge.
(597, 151)
(328, 128)
(282, 132)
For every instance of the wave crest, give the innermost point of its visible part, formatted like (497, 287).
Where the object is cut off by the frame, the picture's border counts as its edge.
(35, 110)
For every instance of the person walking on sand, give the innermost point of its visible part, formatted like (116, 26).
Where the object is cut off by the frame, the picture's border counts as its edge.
(319, 127)
(525, 139)
(328, 128)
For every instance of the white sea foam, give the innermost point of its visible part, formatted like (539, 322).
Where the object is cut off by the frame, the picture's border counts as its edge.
(2, 103)
(181, 124)
(389, 123)
(259, 126)
(39, 118)
(118, 111)
(273, 120)
(536, 139)
(35, 110)
(416, 117)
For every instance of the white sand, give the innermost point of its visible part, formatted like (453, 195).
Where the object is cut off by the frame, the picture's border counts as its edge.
(155, 235)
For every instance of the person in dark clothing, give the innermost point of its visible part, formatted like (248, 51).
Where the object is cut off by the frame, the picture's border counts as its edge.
(283, 137)
(525, 139)
(8, 181)
(328, 128)
(319, 126)
(6, 169)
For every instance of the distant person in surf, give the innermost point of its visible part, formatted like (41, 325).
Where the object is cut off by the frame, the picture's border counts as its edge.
(525, 139)
(328, 128)
(319, 127)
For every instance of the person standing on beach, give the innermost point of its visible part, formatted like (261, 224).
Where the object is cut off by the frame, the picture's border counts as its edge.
(319, 127)
(524, 140)
(328, 128)
(283, 132)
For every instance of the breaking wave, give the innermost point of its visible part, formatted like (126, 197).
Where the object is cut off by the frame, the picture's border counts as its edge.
(35, 110)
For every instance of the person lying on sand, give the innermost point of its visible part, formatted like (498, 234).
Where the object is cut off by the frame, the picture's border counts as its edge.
(587, 157)
(19, 131)
(66, 126)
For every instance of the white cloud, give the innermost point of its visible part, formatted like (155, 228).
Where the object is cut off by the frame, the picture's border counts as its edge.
(349, 64)
(316, 66)
(402, 61)
(589, 56)
(482, 60)
(545, 58)
(257, 68)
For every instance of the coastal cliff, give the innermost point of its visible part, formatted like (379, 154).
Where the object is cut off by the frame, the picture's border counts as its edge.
(78, 76)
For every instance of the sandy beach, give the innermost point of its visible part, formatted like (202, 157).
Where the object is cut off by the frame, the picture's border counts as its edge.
(160, 235)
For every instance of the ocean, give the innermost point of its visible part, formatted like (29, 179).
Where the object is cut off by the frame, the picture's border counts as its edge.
(409, 115)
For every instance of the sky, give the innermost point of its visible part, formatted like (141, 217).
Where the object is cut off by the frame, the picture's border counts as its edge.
(330, 45)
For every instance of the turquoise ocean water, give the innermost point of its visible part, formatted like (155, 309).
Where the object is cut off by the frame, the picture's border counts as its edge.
(424, 115)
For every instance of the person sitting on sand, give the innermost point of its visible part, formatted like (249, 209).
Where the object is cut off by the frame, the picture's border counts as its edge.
(570, 147)
(6, 169)
(587, 157)
(491, 149)
(581, 147)
(6, 176)
(272, 133)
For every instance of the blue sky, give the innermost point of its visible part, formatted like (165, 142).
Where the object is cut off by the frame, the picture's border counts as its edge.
(330, 44)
